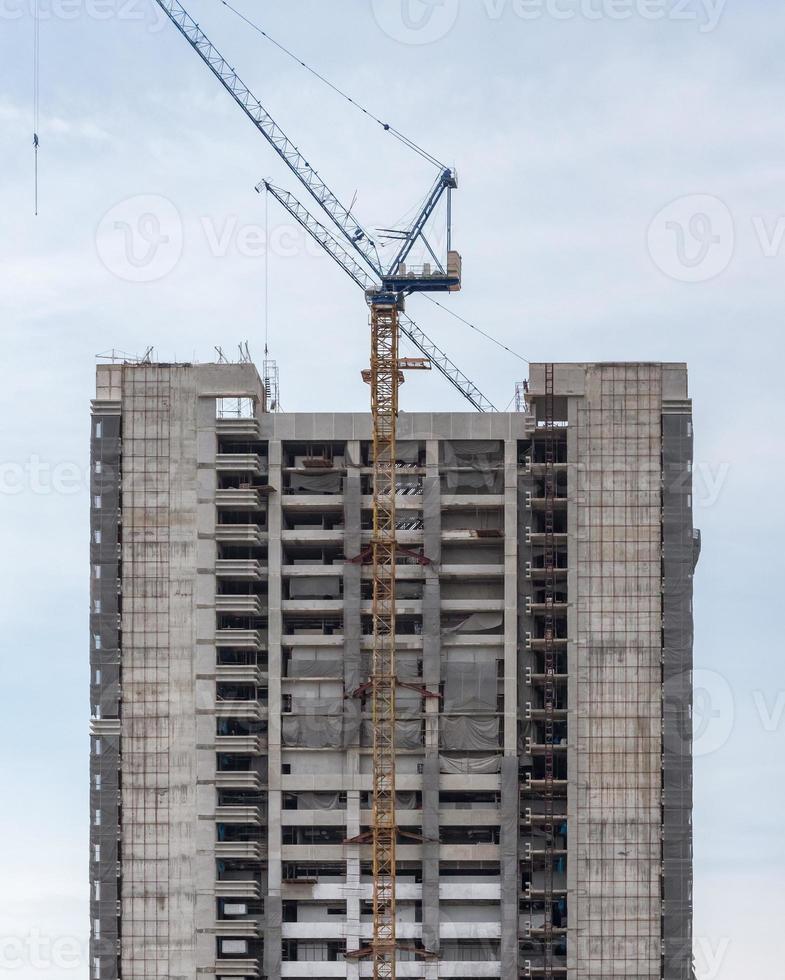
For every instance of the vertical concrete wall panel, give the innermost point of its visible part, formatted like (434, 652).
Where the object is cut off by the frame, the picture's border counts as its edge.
(618, 653)
(678, 564)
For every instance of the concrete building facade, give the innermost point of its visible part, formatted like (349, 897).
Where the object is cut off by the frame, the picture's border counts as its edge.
(544, 652)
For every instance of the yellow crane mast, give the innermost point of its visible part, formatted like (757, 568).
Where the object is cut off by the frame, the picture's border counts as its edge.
(384, 379)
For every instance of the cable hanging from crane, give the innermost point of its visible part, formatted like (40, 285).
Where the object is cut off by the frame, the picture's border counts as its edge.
(367, 112)
(266, 274)
(482, 333)
(36, 91)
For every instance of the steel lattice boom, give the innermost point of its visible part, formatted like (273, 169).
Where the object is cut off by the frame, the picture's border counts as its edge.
(324, 237)
(275, 136)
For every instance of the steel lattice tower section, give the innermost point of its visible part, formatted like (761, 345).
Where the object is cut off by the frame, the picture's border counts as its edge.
(384, 409)
(549, 700)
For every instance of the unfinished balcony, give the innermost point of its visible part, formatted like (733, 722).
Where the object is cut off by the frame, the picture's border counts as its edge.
(239, 779)
(240, 639)
(246, 928)
(240, 463)
(247, 534)
(236, 427)
(240, 815)
(240, 569)
(248, 605)
(239, 850)
(241, 744)
(240, 674)
(250, 710)
(239, 499)
(237, 968)
(246, 889)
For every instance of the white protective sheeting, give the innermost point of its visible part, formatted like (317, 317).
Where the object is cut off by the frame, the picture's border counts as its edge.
(316, 482)
(469, 733)
(312, 731)
(470, 682)
(318, 801)
(309, 662)
(470, 764)
(480, 622)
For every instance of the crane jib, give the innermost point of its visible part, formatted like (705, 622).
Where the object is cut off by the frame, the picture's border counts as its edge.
(341, 216)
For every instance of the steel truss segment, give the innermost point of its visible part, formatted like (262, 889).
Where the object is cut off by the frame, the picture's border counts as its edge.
(352, 268)
(442, 362)
(445, 181)
(323, 236)
(348, 225)
(384, 411)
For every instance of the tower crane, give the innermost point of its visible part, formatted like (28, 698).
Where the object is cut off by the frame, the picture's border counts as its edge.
(386, 287)
(333, 247)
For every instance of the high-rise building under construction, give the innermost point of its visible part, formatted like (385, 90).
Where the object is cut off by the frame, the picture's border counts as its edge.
(543, 657)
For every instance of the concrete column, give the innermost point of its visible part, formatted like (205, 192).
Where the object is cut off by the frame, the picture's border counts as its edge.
(353, 677)
(104, 679)
(510, 819)
(204, 680)
(272, 901)
(575, 497)
(432, 546)
(679, 557)
(190, 841)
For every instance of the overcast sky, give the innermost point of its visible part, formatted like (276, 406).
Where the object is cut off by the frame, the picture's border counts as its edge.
(622, 197)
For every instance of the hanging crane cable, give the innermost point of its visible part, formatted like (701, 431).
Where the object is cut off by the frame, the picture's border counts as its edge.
(482, 333)
(36, 90)
(266, 274)
(367, 112)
